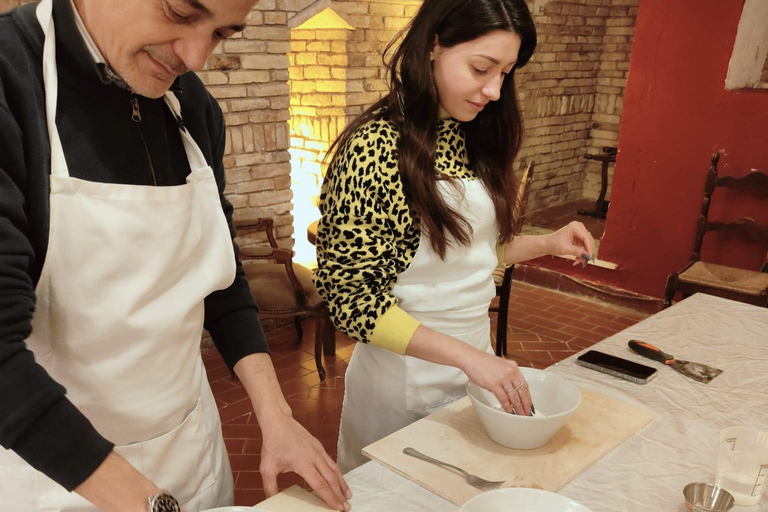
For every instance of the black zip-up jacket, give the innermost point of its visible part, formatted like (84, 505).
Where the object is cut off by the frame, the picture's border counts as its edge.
(101, 143)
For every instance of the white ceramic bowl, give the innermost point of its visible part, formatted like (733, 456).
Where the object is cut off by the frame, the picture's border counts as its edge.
(555, 400)
(522, 500)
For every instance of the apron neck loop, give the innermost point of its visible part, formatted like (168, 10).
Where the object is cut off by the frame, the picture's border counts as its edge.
(44, 13)
(59, 167)
(173, 103)
(194, 154)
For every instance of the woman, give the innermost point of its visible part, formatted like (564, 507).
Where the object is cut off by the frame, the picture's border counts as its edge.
(418, 207)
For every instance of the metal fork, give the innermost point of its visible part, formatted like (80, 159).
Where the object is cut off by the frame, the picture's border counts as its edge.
(474, 481)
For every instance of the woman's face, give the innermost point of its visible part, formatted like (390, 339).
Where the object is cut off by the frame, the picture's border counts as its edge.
(469, 75)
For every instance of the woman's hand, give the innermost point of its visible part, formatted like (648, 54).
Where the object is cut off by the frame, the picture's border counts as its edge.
(573, 240)
(501, 377)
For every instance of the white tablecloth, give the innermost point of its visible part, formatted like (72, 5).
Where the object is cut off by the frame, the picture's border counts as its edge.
(647, 472)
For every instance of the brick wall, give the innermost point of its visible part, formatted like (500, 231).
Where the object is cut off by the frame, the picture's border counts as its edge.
(571, 93)
(334, 75)
(319, 88)
(252, 77)
(609, 91)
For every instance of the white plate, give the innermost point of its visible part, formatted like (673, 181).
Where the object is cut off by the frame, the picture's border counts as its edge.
(522, 500)
(235, 509)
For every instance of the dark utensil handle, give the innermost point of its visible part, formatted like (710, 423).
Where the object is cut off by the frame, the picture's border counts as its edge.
(649, 351)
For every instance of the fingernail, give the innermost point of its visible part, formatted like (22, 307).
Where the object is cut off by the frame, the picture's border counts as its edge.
(347, 506)
(585, 256)
(584, 264)
(348, 494)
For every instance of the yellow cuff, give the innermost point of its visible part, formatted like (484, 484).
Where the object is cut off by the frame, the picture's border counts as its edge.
(394, 330)
(500, 255)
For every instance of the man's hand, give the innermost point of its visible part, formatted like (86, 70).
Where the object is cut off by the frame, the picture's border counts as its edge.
(116, 486)
(289, 447)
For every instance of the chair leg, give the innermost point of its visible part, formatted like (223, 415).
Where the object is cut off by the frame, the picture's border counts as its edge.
(669, 294)
(329, 336)
(501, 326)
(500, 335)
(299, 329)
(501, 320)
(319, 330)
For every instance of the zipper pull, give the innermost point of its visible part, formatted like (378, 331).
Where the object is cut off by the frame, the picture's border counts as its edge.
(136, 113)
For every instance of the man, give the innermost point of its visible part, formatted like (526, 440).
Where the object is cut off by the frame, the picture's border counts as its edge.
(115, 249)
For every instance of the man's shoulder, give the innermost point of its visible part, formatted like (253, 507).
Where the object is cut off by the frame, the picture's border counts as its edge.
(19, 32)
(20, 54)
(193, 86)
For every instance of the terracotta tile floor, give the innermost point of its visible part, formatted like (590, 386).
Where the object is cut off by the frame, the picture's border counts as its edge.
(544, 327)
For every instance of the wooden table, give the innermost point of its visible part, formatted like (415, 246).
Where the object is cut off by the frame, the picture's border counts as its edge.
(648, 471)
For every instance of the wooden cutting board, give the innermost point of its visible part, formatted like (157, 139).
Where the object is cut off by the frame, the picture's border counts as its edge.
(294, 499)
(456, 436)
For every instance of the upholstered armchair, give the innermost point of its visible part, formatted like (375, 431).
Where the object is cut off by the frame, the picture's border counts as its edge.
(284, 289)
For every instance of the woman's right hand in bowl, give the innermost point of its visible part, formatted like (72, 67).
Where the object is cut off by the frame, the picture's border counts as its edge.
(503, 378)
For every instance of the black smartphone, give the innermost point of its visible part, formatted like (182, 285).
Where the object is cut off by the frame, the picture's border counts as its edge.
(616, 366)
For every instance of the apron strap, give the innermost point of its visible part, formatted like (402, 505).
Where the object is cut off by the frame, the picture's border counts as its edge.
(59, 167)
(194, 153)
(44, 13)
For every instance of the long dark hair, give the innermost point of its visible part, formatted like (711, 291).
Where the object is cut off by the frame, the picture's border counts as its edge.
(493, 138)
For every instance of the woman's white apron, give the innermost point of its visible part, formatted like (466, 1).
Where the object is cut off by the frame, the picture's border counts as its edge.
(387, 391)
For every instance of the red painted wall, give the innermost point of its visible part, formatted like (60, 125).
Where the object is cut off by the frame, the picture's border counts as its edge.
(676, 113)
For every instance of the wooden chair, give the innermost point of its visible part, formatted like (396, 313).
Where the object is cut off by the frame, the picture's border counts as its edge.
(283, 288)
(502, 277)
(743, 285)
(601, 205)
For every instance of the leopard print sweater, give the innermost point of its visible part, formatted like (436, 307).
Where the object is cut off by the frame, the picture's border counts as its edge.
(367, 237)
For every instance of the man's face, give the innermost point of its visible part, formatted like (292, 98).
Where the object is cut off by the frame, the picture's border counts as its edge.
(150, 42)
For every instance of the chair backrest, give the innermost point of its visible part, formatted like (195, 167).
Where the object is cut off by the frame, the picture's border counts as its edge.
(755, 184)
(248, 226)
(502, 277)
(274, 253)
(522, 197)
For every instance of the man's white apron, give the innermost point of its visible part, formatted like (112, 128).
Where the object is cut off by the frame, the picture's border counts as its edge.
(386, 391)
(118, 321)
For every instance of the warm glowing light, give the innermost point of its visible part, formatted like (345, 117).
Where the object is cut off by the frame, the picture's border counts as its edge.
(318, 81)
(306, 178)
